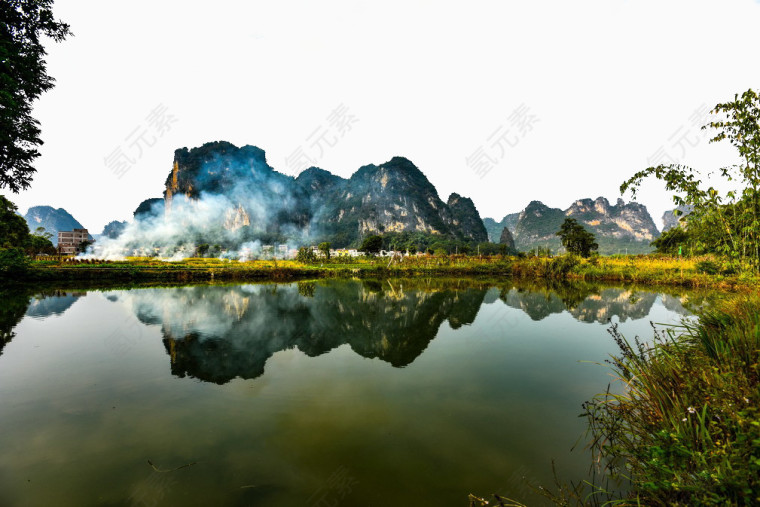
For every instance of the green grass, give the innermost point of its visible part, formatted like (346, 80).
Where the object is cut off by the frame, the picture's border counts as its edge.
(641, 269)
(685, 427)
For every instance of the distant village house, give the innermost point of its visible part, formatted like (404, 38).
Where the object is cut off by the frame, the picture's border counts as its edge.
(69, 241)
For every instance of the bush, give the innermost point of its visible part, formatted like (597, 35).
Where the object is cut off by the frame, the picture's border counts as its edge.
(371, 244)
(686, 428)
(13, 262)
(306, 255)
(707, 267)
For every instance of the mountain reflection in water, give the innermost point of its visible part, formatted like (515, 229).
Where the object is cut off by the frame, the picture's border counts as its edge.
(459, 374)
(217, 333)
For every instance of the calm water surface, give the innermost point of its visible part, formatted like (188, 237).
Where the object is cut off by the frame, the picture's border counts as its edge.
(336, 393)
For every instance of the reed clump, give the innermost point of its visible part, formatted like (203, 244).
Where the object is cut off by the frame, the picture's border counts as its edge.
(685, 427)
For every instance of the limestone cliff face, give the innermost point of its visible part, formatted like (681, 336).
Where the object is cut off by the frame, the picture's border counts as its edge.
(465, 218)
(494, 228)
(392, 197)
(235, 218)
(148, 208)
(622, 220)
(113, 229)
(537, 225)
(240, 180)
(670, 219)
(507, 239)
(619, 227)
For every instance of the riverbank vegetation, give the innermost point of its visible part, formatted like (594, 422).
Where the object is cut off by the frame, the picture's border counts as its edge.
(685, 430)
(722, 219)
(703, 271)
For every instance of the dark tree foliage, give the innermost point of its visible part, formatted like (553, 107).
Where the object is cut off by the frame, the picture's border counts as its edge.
(13, 262)
(13, 229)
(371, 244)
(671, 240)
(15, 235)
(325, 249)
(306, 255)
(83, 246)
(576, 238)
(23, 78)
(39, 245)
(725, 223)
(202, 249)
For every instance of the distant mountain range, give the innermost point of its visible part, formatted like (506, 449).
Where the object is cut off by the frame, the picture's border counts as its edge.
(495, 228)
(255, 201)
(52, 219)
(670, 219)
(618, 228)
(318, 205)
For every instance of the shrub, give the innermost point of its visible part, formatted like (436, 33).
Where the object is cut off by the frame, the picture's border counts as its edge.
(686, 426)
(13, 262)
(707, 267)
(306, 255)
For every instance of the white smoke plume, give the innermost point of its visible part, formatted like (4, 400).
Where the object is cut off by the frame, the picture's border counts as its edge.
(243, 210)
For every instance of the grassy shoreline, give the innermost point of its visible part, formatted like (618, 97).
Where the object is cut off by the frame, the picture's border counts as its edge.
(648, 270)
(685, 428)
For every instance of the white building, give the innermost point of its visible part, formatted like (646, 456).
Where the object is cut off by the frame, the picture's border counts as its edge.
(69, 241)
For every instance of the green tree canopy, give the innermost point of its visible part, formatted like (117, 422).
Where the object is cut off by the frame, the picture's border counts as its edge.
(39, 245)
(729, 223)
(23, 78)
(371, 244)
(671, 240)
(13, 229)
(576, 239)
(325, 249)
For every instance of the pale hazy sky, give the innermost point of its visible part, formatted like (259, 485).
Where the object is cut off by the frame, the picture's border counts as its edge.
(504, 102)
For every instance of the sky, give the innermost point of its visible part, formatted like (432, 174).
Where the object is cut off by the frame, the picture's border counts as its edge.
(503, 102)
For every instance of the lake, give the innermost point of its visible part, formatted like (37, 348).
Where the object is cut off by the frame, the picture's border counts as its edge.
(329, 393)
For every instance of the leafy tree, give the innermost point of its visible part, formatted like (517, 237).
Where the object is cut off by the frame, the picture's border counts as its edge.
(727, 224)
(13, 262)
(39, 245)
(13, 229)
(671, 240)
(82, 247)
(42, 232)
(14, 234)
(325, 249)
(201, 250)
(576, 239)
(306, 255)
(371, 244)
(23, 77)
